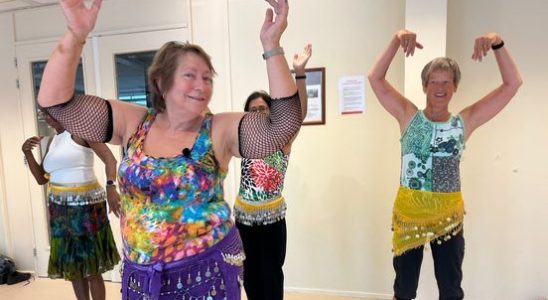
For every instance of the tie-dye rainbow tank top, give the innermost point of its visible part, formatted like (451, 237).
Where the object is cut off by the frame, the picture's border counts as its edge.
(172, 208)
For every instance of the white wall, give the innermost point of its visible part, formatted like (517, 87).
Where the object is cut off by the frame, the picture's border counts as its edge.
(7, 80)
(15, 195)
(343, 176)
(432, 34)
(505, 170)
(115, 16)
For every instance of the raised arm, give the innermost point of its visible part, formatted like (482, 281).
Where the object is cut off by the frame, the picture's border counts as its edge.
(60, 73)
(35, 168)
(299, 65)
(258, 135)
(255, 135)
(280, 82)
(393, 101)
(491, 104)
(109, 160)
(90, 117)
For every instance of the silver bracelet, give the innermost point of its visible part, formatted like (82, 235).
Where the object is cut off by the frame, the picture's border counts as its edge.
(272, 52)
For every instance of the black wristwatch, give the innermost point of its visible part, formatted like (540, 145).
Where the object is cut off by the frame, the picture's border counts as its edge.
(111, 183)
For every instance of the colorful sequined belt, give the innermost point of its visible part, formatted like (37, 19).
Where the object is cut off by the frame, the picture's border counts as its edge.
(214, 274)
(76, 194)
(259, 213)
(420, 217)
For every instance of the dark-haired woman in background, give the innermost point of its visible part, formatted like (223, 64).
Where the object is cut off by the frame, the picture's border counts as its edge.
(260, 208)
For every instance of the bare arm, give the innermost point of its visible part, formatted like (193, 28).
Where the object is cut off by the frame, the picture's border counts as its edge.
(393, 101)
(303, 95)
(255, 135)
(299, 65)
(491, 104)
(60, 73)
(109, 160)
(90, 117)
(35, 168)
(280, 82)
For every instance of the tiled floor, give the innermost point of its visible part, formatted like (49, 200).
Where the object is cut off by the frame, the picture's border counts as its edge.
(47, 289)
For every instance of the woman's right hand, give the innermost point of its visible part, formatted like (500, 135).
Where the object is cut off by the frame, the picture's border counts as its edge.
(272, 29)
(30, 143)
(80, 19)
(113, 199)
(408, 41)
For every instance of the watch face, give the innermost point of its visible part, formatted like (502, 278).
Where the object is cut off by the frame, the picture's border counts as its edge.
(110, 182)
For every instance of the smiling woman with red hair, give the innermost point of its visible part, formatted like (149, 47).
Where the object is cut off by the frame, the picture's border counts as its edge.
(178, 238)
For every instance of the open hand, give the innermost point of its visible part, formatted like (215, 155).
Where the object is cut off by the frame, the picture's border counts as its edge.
(80, 19)
(300, 60)
(273, 28)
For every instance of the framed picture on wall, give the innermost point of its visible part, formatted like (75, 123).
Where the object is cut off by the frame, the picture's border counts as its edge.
(315, 88)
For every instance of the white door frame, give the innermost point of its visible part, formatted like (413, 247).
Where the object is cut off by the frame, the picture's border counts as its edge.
(27, 53)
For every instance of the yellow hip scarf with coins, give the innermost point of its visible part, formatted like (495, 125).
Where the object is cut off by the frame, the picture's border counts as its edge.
(420, 217)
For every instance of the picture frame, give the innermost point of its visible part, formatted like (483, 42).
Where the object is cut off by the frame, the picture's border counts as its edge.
(315, 87)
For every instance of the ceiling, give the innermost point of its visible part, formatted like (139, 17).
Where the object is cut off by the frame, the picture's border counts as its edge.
(11, 5)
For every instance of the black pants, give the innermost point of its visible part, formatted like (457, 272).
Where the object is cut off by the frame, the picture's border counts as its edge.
(448, 258)
(264, 247)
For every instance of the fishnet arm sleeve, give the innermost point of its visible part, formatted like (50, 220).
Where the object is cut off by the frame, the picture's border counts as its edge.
(261, 135)
(86, 116)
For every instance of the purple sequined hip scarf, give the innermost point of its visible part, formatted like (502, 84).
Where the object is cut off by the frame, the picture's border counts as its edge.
(214, 274)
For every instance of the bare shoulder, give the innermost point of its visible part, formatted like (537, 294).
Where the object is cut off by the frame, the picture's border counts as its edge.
(224, 124)
(129, 110)
(224, 135)
(465, 114)
(228, 117)
(410, 111)
(127, 116)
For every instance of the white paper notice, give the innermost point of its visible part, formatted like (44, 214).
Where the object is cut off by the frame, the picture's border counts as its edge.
(352, 94)
(314, 111)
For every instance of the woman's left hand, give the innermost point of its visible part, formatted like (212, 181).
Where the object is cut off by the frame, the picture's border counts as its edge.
(483, 44)
(272, 29)
(300, 60)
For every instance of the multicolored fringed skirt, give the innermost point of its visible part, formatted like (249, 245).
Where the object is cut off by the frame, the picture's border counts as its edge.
(421, 216)
(214, 274)
(81, 241)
